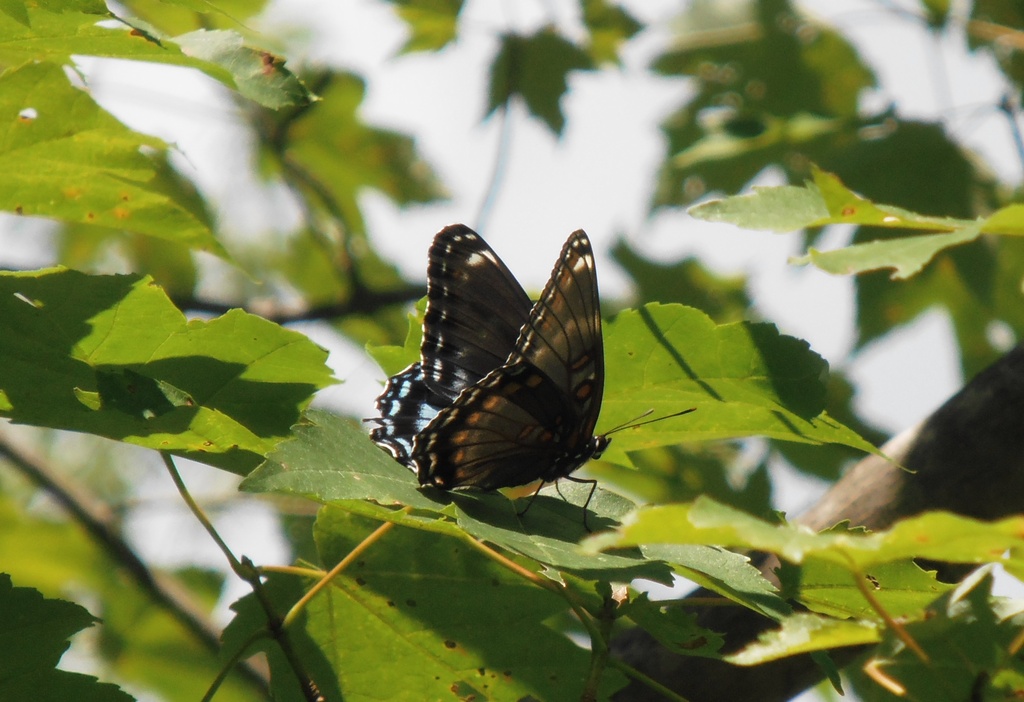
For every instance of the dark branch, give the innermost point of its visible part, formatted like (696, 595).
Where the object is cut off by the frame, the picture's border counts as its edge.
(367, 303)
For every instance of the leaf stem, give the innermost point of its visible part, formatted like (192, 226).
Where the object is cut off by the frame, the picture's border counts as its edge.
(360, 548)
(235, 658)
(901, 633)
(644, 679)
(247, 571)
(197, 511)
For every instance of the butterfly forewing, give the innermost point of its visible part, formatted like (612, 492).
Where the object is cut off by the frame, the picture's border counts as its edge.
(563, 337)
(475, 312)
(534, 416)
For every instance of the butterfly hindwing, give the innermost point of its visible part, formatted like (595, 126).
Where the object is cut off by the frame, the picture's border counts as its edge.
(532, 417)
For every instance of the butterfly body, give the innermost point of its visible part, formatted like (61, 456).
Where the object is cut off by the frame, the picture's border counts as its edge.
(506, 392)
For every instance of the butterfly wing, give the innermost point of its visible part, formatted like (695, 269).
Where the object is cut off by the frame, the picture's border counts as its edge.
(534, 416)
(475, 311)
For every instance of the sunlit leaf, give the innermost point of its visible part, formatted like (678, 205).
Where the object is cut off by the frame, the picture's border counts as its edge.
(62, 156)
(110, 355)
(432, 23)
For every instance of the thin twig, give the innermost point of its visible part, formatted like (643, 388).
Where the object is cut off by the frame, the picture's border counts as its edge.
(501, 159)
(643, 679)
(901, 633)
(246, 570)
(366, 302)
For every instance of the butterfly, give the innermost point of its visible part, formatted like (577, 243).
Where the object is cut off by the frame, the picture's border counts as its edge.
(506, 391)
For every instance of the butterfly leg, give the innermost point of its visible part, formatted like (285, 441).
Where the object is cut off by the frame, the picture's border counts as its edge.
(593, 487)
(532, 498)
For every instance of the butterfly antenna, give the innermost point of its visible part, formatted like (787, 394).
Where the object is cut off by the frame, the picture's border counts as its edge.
(633, 423)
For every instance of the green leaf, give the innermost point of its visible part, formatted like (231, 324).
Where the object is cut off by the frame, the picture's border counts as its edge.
(744, 379)
(609, 26)
(64, 157)
(432, 23)
(181, 16)
(248, 631)
(905, 255)
(110, 355)
(415, 618)
(967, 638)
(783, 208)
(142, 645)
(535, 68)
(34, 634)
(256, 73)
(332, 460)
(57, 31)
(804, 632)
(901, 587)
(828, 201)
(937, 536)
(674, 628)
(729, 574)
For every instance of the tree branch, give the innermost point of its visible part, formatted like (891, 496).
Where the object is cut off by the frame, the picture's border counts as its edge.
(968, 458)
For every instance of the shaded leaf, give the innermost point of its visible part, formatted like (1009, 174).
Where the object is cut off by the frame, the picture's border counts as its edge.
(804, 632)
(744, 379)
(535, 68)
(392, 612)
(34, 634)
(332, 460)
(674, 628)
(967, 638)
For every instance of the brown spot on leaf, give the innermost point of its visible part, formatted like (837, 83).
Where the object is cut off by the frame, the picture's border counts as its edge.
(849, 211)
(449, 643)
